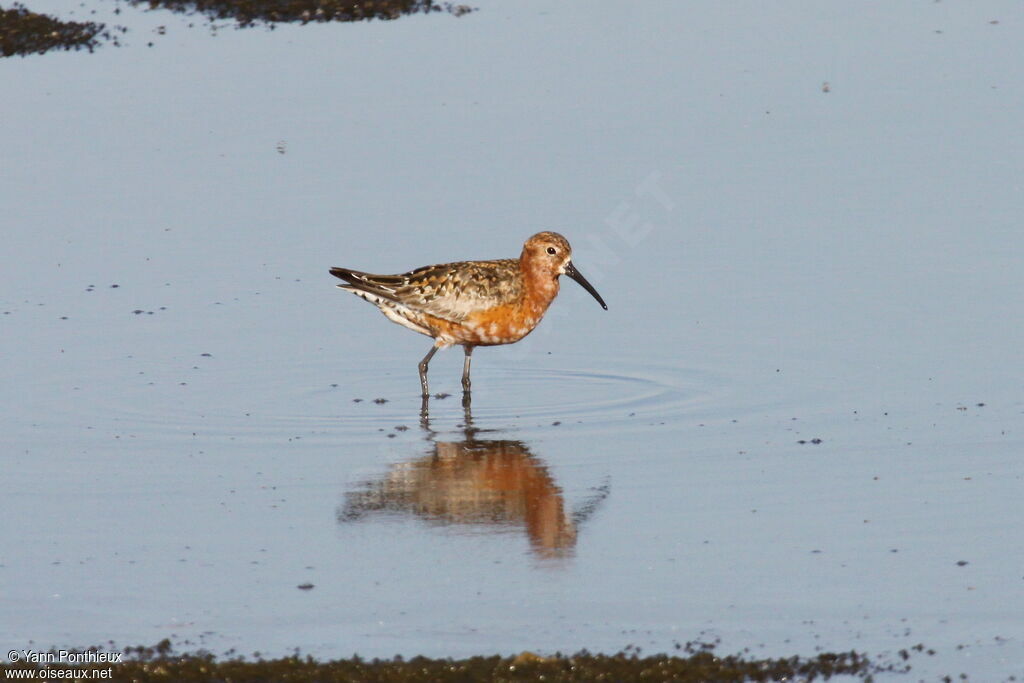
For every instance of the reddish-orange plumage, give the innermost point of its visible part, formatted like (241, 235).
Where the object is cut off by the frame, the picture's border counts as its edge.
(472, 303)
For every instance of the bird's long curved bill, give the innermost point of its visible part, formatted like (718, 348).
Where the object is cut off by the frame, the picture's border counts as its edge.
(571, 271)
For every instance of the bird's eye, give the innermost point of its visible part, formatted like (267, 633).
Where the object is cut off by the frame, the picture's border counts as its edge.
(551, 250)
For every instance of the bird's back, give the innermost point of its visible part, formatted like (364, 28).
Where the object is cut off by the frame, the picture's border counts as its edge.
(449, 291)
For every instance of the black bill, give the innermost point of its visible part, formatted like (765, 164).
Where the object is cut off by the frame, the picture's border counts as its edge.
(571, 271)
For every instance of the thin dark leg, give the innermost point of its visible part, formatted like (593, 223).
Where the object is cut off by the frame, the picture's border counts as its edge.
(465, 368)
(423, 370)
(467, 412)
(425, 415)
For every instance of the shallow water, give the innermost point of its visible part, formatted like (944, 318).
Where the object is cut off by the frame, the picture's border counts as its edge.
(782, 265)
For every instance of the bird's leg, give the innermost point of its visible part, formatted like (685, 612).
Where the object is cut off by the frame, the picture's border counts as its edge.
(467, 413)
(425, 415)
(423, 371)
(465, 368)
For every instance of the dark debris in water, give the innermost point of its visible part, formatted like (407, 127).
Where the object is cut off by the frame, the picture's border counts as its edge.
(252, 12)
(696, 662)
(24, 32)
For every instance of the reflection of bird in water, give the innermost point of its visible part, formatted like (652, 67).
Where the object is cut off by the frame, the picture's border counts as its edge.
(496, 482)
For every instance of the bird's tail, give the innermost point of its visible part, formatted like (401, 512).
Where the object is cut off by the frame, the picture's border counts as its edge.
(380, 285)
(349, 276)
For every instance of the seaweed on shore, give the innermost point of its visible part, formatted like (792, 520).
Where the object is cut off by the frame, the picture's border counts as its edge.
(694, 662)
(248, 13)
(24, 32)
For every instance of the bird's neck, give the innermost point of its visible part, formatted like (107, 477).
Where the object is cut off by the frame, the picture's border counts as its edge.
(540, 285)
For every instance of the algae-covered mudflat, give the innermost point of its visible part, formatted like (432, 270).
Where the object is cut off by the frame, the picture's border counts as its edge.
(696, 662)
(795, 432)
(24, 31)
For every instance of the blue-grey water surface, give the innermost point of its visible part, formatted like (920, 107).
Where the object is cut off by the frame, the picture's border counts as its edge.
(798, 427)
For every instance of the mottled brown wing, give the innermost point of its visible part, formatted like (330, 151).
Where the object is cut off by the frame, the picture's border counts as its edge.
(450, 291)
